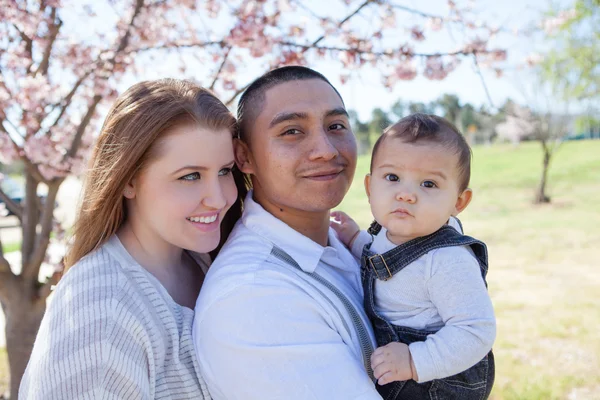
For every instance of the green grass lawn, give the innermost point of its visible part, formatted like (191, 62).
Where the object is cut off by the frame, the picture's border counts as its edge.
(544, 275)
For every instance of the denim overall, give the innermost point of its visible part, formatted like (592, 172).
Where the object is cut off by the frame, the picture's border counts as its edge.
(474, 383)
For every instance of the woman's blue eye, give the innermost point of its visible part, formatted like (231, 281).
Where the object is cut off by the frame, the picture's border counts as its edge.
(428, 184)
(190, 177)
(225, 171)
(392, 177)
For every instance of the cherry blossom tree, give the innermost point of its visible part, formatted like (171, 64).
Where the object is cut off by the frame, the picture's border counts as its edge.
(61, 62)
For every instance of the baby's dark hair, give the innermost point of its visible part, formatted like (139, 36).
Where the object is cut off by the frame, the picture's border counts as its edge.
(417, 128)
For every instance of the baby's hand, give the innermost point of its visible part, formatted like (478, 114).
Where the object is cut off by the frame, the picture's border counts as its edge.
(345, 227)
(391, 363)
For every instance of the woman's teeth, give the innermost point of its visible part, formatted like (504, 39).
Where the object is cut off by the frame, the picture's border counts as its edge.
(203, 220)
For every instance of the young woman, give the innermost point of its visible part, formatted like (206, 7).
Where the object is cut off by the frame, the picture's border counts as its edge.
(161, 193)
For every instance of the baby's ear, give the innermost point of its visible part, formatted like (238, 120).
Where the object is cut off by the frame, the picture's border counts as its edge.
(463, 201)
(368, 186)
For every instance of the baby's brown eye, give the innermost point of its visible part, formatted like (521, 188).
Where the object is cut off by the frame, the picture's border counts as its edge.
(428, 184)
(392, 177)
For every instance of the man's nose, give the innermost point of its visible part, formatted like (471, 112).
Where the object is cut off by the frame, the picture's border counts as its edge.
(322, 146)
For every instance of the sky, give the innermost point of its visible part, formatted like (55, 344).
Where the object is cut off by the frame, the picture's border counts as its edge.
(363, 93)
(364, 90)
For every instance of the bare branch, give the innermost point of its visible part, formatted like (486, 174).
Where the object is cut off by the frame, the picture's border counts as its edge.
(31, 269)
(28, 45)
(390, 53)
(125, 39)
(66, 102)
(31, 215)
(11, 205)
(53, 33)
(31, 168)
(82, 126)
(314, 44)
(487, 92)
(212, 85)
(342, 22)
(417, 12)
(188, 45)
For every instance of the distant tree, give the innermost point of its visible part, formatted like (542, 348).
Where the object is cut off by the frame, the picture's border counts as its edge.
(399, 109)
(548, 128)
(427, 108)
(361, 131)
(379, 121)
(451, 108)
(573, 63)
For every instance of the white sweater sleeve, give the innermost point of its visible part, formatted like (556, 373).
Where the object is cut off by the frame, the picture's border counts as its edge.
(89, 345)
(458, 292)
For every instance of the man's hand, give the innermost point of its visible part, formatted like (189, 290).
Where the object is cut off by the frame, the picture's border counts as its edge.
(393, 362)
(345, 227)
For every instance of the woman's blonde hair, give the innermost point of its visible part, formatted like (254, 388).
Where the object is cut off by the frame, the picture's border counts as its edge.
(127, 143)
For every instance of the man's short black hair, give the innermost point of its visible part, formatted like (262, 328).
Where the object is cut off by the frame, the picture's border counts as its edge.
(252, 100)
(433, 129)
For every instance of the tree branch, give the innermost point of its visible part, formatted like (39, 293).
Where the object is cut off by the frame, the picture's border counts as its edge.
(342, 22)
(390, 53)
(212, 85)
(66, 102)
(11, 205)
(487, 92)
(31, 168)
(32, 268)
(314, 44)
(53, 33)
(82, 126)
(31, 214)
(28, 45)
(169, 46)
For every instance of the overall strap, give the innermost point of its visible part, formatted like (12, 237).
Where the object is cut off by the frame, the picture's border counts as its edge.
(389, 263)
(359, 327)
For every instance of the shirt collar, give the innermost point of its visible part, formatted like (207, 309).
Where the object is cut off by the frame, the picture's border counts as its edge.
(306, 252)
(381, 243)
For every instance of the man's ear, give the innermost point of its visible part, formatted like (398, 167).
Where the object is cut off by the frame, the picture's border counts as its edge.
(463, 201)
(243, 157)
(368, 186)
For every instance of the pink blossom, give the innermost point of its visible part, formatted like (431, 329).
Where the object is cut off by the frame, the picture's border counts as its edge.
(435, 24)
(435, 69)
(406, 71)
(552, 24)
(534, 59)
(417, 33)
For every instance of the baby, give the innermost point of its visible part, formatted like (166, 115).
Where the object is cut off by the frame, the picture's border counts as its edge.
(424, 282)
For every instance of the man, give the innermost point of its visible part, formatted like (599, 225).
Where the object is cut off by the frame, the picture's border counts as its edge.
(280, 314)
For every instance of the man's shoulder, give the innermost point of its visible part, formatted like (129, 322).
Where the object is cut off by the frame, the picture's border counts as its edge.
(244, 259)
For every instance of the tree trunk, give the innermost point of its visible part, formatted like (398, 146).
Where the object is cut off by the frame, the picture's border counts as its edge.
(23, 311)
(541, 196)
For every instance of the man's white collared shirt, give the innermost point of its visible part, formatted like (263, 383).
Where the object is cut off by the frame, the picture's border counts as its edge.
(264, 330)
